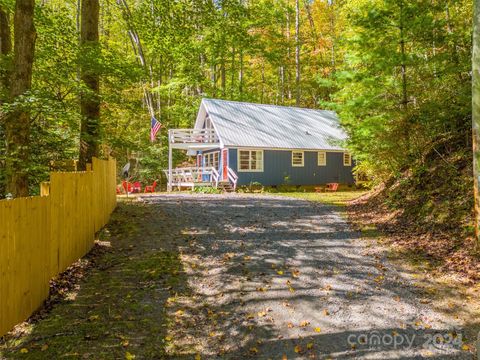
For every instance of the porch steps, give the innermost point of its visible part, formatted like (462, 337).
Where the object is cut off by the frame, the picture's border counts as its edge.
(226, 186)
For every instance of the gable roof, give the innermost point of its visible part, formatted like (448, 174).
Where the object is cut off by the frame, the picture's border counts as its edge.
(242, 124)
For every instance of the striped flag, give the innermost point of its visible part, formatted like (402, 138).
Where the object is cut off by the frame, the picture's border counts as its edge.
(155, 128)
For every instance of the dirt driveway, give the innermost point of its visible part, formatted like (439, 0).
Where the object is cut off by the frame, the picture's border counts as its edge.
(235, 277)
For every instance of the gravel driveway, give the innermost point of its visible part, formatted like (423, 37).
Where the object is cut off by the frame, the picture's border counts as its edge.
(281, 278)
(237, 277)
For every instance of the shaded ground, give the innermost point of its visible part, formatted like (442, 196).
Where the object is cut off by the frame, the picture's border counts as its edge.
(233, 277)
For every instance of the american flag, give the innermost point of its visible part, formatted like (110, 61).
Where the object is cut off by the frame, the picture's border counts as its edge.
(155, 128)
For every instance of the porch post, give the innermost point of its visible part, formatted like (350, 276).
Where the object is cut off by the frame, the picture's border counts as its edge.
(169, 186)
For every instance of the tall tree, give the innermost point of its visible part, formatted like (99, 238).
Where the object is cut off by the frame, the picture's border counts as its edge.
(89, 99)
(476, 114)
(297, 53)
(17, 120)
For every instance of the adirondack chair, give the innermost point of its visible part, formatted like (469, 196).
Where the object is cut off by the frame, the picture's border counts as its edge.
(127, 187)
(151, 188)
(137, 187)
(332, 187)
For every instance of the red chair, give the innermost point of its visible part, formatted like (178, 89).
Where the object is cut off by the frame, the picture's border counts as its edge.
(151, 189)
(127, 187)
(137, 187)
(332, 187)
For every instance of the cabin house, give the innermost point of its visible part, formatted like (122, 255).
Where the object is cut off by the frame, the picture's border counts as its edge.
(239, 143)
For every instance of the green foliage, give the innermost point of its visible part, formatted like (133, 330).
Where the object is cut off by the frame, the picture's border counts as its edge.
(206, 190)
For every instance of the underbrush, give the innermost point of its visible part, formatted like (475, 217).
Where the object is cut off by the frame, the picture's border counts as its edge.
(428, 212)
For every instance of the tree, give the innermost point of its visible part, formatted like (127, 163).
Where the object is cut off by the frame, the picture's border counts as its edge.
(89, 99)
(17, 119)
(297, 53)
(476, 115)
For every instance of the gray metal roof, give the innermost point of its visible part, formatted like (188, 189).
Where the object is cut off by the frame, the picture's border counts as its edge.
(270, 126)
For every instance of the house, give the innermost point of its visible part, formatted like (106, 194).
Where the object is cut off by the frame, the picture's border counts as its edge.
(239, 143)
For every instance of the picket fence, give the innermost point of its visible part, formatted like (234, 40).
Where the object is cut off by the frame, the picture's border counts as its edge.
(43, 235)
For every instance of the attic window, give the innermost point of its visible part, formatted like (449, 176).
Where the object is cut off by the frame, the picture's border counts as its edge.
(347, 159)
(297, 158)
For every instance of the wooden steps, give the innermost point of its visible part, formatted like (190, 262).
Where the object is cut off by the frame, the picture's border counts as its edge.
(226, 186)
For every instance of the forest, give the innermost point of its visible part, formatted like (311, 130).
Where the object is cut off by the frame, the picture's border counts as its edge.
(397, 72)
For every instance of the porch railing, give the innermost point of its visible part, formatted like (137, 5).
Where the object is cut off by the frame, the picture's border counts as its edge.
(189, 176)
(232, 177)
(192, 136)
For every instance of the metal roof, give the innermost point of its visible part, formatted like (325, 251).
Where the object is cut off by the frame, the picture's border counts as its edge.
(270, 126)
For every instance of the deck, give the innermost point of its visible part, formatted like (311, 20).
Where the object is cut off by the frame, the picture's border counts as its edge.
(191, 177)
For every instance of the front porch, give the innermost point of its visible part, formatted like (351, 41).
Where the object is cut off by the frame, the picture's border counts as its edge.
(196, 142)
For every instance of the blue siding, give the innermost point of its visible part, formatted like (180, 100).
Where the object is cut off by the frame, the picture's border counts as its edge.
(278, 167)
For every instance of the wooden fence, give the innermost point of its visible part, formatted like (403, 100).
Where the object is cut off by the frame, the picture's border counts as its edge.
(43, 235)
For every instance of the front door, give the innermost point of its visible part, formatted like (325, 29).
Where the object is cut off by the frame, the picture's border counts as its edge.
(225, 164)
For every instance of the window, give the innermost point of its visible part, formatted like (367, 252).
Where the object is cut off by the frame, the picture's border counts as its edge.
(250, 160)
(347, 159)
(211, 159)
(297, 158)
(322, 158)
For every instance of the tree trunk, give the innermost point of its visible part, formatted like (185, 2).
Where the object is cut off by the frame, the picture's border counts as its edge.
(5, 50)
(333, 35)
(289, 62)
(89, 99)
(240, 75)
(476, 115)
(297, 52)
(403, 59)
(17, 122)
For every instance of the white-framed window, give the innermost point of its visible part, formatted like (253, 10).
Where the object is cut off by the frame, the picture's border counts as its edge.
(347, 159)
(250, 160)
(297, 158)
(212, 159)
(322, 158)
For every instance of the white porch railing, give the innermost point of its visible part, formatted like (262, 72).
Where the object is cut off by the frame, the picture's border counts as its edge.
(192, 136)
(191, 176)
(199, 176)
(232, 177)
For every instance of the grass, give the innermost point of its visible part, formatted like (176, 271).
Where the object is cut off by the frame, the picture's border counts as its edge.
(118, 309)
(339, 198)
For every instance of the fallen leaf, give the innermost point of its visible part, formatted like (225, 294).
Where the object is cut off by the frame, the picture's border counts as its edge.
(94, 318)
(198, 357)
(24, 351)
(317, 330)
(298, 349)
(179, 313)
(310, 346)
(254, 350)
(326, 312)
(129, 356)
(304, 323)
(125, 343)
(290, 325)
(280, 272)
(168, 338)
(262, 314)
